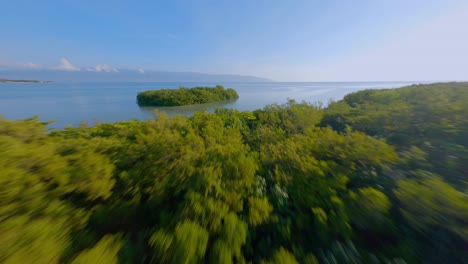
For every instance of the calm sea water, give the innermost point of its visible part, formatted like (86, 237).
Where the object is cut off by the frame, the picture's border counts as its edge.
(72, 103)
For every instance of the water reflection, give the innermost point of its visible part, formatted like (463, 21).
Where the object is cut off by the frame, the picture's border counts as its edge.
(190, 109)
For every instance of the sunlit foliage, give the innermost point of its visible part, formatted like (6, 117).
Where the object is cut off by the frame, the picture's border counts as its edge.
(379, 177)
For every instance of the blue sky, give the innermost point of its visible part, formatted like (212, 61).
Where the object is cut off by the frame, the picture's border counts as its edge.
(294, 40)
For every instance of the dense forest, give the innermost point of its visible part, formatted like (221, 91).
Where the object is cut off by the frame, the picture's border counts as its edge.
(378, 177)
(185, 96)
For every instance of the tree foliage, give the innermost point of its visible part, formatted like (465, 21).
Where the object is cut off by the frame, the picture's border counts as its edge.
(185, 96)
(379, 177)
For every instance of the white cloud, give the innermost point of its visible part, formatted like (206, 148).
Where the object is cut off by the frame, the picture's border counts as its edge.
(67, 66)
(141, 71)
(105, 68)
(31, 65)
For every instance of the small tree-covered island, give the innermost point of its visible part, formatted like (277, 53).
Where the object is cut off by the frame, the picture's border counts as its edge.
(185, 96)
(378, 177)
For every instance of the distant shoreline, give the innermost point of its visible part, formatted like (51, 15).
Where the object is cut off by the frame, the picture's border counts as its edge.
(22, 81)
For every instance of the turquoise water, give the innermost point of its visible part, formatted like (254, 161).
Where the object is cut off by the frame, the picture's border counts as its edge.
(72, 103)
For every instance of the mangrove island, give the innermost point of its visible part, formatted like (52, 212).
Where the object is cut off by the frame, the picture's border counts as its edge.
(185, 96)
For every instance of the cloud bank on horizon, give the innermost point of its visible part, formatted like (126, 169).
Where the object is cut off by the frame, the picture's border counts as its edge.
(67, 66)
(294, 41)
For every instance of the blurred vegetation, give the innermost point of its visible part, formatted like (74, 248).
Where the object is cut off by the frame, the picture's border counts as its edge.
(185, 96)
(379, 177)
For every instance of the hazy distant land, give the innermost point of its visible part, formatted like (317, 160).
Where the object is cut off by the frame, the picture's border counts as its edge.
(22, 81)
(123, 75)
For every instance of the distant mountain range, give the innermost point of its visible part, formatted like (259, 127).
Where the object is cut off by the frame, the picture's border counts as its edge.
(121, 75)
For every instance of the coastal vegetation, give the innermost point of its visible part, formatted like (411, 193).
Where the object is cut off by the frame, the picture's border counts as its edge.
(378, 177)
(185, 96)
